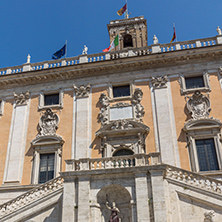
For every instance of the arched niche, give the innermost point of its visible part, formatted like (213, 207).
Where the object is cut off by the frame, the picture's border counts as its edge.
(119, 195)
(127, 41)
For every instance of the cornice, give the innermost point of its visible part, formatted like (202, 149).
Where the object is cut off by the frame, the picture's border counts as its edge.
(113, 66)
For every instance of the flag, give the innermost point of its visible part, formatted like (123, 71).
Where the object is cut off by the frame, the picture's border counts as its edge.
(114, 43)
(59, 53)
(122, 10)
(174, 35)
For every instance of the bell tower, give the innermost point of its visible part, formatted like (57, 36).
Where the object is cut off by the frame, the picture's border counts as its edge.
(132, 32)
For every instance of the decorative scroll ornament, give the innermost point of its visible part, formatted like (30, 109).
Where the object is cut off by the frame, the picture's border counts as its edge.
(48, 123)
(104, 113)
(208, 216)
(199, 105)
(159, 82)
(121, 124)
(138, 108)
(22, 98)
(82, 91)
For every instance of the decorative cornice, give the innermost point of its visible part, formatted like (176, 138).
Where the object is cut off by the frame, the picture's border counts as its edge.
(21, 98)
(109, 67)
(82, 91)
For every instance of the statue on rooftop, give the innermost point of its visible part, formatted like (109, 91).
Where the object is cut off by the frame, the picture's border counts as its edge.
(85, 50)
(218, 30)
(114, 212)
(155, 40)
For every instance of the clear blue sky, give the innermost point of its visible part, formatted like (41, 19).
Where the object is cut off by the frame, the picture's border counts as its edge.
(41, 27)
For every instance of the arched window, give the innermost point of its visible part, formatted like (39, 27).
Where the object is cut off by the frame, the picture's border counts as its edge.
(123, 152)
(127, 41)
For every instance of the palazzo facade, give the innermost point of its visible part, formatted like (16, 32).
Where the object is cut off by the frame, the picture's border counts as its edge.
(133, 134)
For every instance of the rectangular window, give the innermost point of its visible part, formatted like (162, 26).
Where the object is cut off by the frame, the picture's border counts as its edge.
(207, 155)
(121, 91)
(51, 99)
(46, 167)
(194, 82)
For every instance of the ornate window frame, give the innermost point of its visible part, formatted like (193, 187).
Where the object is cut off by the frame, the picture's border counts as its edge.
(42, 98)
(110, 91)
(46, 142)
(2, 103)
(206, 79)
(203, 129)
(46, 145)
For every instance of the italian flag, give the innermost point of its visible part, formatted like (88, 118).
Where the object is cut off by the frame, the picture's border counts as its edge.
(114, 43)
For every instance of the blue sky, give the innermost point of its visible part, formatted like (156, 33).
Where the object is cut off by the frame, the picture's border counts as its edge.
(41, 27)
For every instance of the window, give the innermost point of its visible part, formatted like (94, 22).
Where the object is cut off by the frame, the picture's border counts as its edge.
(46, 167)
(207, 156)
(51, 99)
(203, 137)
(195, 82)
(121, 91)
(127, 41)
(1, 107)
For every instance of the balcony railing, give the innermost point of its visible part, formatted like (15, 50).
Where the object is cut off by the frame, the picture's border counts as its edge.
(113, 162)
(98, 57)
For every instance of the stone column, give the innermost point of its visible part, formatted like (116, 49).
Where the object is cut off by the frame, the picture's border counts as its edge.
(159, 203)
(68, 204)
(142, 205)
(83, 199)
(164, 122)
(81, 122)
(17, 139)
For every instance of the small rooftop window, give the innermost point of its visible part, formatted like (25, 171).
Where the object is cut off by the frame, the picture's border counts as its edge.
(194, 82)
(51, 99)
(121, 91)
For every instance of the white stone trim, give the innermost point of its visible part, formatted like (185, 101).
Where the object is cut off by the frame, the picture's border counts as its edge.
(2, 103)
(43, 93)
(73, 151)
(90, 125)
(206, 80)
(110, 90)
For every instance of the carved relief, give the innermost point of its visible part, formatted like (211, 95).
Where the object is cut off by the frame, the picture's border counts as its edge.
(48, 123)
(104, 113)
(121, 124)
(198, 105)
(208, 216)
(138, 108)
(82, 91)
(159, 82)
(22, 98)
(120, 105)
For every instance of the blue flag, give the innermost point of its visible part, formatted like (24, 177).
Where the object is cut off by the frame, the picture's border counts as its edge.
(59, 53)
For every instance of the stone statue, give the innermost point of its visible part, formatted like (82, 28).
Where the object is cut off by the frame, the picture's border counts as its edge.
(85, 50)
(218, 30)
(155, 40)
(114, 212)
(28, 59)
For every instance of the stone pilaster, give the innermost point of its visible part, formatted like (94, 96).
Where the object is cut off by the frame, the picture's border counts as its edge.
(142, 204)
(164, 122)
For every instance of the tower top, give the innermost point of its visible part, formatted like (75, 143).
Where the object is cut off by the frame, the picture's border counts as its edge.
(132, 32)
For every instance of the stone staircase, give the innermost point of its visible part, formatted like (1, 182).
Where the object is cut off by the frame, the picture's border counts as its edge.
(34, 195)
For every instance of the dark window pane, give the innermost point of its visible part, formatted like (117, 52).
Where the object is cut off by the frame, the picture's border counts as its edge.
(194, 82)
(127, 41)
(207, 156)
(46, 168)
(52, 99)
(120, 91)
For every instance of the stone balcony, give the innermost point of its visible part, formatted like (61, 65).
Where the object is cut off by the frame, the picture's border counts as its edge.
(136, 160)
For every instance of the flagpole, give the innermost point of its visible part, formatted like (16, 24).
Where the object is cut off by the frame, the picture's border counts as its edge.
(126, 13)
(66, 49)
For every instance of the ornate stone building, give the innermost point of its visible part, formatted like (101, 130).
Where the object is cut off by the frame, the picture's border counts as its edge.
(133, 134)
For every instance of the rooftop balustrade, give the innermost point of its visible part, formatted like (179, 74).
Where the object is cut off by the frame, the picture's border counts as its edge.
(105, 56)
(113, 162)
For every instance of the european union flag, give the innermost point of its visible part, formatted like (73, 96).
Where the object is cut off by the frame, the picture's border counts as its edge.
(59, 53)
